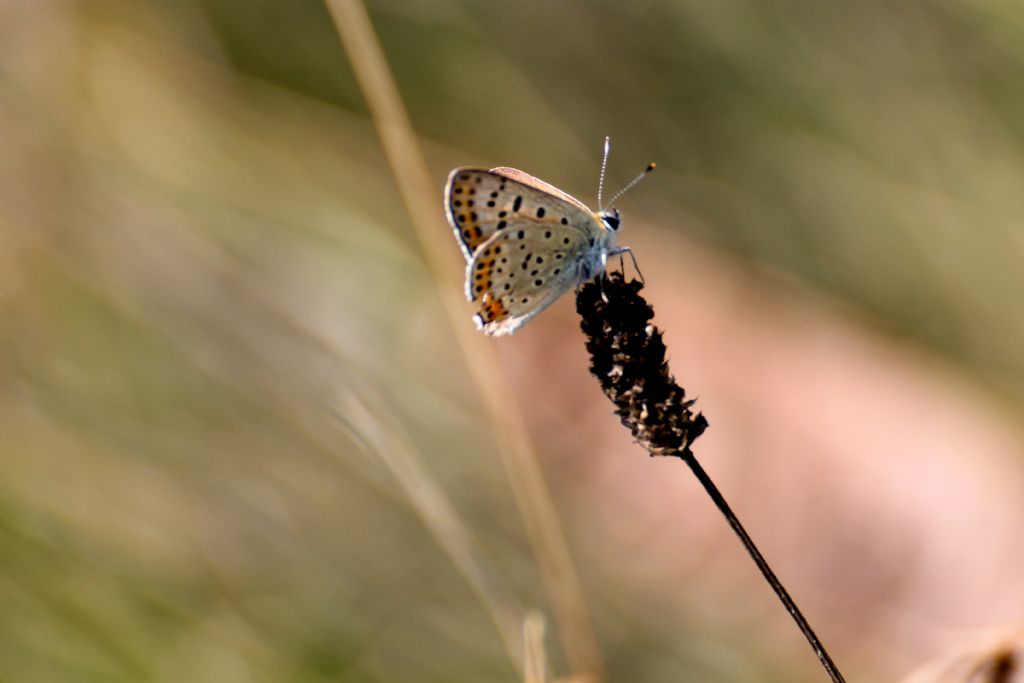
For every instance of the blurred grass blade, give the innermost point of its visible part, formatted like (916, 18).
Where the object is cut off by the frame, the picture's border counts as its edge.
(534, 657)
(364, 416)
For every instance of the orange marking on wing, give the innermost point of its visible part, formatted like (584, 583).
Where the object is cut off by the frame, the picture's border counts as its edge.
(491, 309)
(482, 273)
(463, 203)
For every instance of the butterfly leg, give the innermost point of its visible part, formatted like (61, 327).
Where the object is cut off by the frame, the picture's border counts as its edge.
(619, 251)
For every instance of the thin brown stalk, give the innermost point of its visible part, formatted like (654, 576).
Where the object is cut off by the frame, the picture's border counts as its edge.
(422, 200)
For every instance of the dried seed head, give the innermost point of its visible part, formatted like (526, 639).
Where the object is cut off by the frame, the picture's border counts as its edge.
(627, 356)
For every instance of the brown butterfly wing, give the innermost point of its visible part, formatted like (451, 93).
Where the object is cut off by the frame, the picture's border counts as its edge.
(521, 271)
(480, 202)
(538, 184)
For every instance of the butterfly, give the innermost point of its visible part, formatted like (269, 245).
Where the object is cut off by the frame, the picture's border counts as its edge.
(525, 241)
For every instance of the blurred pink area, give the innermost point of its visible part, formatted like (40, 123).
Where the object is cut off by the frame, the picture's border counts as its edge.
(991, 657)
(882, 485)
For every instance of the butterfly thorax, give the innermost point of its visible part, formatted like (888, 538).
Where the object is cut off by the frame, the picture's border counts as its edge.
(603, 244)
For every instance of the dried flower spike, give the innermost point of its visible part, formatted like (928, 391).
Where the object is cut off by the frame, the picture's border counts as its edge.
(627, 356)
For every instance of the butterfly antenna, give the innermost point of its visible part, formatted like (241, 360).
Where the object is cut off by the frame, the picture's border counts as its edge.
(650, 167)
(604, 165)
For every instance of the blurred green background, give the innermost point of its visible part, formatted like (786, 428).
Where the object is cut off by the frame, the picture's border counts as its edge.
(217, 326)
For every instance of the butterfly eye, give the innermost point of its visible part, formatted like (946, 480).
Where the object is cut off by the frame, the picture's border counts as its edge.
(611, 220)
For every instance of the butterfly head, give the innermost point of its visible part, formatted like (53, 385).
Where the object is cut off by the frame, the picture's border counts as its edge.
(611, 219)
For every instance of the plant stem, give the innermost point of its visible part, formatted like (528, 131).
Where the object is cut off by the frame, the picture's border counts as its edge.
(762, 564)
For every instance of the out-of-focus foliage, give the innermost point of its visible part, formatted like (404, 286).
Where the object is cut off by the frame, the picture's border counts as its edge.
(204, 263)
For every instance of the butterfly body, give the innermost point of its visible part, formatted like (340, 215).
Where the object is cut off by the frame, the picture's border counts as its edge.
(526, 243)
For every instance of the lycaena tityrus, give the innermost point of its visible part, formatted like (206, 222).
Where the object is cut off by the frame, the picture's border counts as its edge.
(526, 242)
